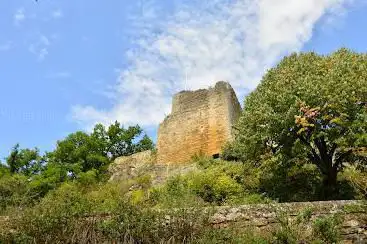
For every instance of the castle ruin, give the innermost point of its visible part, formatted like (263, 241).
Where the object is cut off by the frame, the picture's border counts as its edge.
(200, 123)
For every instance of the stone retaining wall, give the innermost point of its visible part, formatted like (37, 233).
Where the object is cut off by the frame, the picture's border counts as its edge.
(268, 216)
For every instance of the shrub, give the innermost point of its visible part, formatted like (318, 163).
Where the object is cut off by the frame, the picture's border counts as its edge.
(294, 181)
(53, 218)
(327, 228)
(144, 181)
(105, 198)
(214, 187)
(13, 191)
(358, 180)
(174, 194)
(131, 224)
(231, 235)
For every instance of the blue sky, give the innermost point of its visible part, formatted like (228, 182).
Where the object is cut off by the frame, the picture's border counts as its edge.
(66, 65)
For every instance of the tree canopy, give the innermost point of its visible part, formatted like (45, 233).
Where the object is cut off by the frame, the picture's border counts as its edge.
(81, 156)
(81, 151)
(310, 108)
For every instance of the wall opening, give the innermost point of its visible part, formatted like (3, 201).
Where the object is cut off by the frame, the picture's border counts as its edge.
(216, 156)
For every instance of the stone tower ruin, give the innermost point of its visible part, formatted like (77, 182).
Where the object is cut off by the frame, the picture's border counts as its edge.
(200, 123)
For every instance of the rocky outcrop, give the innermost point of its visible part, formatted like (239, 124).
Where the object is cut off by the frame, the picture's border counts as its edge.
(144, 163)
(128, 167)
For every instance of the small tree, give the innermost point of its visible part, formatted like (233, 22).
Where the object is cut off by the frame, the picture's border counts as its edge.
(309, 108)
(81, 152)
(117, 141)
(25, 161)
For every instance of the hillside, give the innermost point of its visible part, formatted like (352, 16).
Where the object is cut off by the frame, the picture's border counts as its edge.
(289, 168)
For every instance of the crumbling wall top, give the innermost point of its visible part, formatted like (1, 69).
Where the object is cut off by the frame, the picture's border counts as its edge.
(191, 100)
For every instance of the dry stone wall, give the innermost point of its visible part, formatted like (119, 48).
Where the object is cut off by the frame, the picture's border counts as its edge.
(266, 217)
(201, 122)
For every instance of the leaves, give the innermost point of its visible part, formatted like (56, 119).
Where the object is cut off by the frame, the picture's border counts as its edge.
(317, 100)
(80, 157)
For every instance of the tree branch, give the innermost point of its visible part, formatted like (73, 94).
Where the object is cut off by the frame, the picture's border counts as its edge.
(339, 162)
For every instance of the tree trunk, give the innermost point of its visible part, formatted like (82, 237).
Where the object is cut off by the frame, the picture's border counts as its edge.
(329, 185)
(325, 157)
(328, 166)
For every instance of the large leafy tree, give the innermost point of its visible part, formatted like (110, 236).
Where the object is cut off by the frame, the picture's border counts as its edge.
(82, 152)
(308, 108)
(116, 141)
(25, 161)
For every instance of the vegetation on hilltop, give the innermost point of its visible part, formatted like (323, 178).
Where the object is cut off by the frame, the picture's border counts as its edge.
(28, 176)
(301, 137)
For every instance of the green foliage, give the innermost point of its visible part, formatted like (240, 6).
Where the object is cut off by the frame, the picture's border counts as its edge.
(216, 183)
(302, 137)
(81, 152)
(231, 235)
(88, 178)
(289, 182)
(214, 187)
(356, 208)
(28, 176)
(290, 231)
(358, 180)
(118, 141)
(52, 218)
(309, 108)
(110, 212)
(25, 161)
(326, 228)
(175, 193)
(63, 217)
(295, 230)
(144, 181)
(14, 191)
(134, 225)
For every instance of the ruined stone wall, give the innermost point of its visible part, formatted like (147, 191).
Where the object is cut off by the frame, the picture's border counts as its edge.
(126, 168)
(266, 217)
(201, 122)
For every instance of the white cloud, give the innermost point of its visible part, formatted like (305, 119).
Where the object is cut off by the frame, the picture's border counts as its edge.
(40, 47)
(19, 16)
(233, 40)
(57, 14)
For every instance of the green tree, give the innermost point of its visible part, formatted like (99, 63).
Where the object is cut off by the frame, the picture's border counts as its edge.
(311, 109)
(81, 152)
(118, 141)
(26, 161)
(50, 178)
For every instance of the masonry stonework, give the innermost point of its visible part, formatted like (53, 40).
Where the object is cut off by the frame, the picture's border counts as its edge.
(200, 122)
(266, 217)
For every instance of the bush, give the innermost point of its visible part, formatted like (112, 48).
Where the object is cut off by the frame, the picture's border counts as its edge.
(175, 193)
(231, 235)
(132, 224)
(327, 228)
(53, 219)
(291, 182)
(105, 198)
(292, 231)
(358, 180)
(15, 192)
(214, 187)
